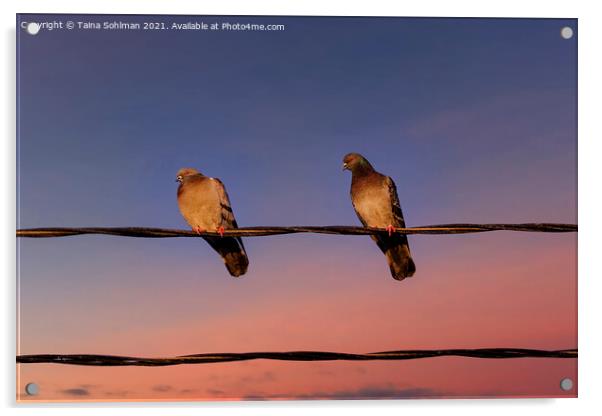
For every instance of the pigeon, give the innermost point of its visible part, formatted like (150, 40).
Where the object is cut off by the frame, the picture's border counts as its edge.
(205, 206)
(374, 198)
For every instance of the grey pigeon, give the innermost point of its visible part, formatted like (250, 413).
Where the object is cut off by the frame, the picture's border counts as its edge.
(375, 200)
(205, 205)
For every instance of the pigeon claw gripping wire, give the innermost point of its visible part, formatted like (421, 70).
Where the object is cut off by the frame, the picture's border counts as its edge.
(198, 230)
(390, 229)
(221, 230)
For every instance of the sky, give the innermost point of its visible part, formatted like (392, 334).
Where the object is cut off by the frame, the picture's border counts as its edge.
(474, 119)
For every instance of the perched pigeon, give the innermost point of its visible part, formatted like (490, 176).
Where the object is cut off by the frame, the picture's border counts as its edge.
(205, 205)
(374, 197)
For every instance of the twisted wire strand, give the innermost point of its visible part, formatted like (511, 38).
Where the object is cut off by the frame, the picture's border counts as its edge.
(261, 231)
(113, 360)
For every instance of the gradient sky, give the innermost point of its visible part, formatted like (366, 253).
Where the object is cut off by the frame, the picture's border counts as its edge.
(474, 119)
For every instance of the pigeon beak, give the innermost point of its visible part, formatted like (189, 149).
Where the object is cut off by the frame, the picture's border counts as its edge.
(345, 167)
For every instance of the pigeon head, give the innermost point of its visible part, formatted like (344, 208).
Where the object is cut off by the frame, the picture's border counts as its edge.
(184, 172)
(356, 162)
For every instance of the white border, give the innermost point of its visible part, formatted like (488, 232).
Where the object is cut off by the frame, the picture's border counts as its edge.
(590, 136)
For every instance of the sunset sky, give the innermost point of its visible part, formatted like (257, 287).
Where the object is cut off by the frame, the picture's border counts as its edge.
(474, 119)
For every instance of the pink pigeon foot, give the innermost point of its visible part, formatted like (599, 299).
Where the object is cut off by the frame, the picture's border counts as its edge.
(390, 229)
(220, 230)
(198, 230)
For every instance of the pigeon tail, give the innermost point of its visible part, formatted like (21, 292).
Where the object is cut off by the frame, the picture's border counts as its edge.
(236, 263)
(400, 262)
(397, 252)
(232, 252)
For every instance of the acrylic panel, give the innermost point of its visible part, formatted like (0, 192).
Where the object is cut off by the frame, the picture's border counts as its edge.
(282, 208)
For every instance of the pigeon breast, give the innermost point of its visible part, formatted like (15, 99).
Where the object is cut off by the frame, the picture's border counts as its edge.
(372, 202)
(199, 203)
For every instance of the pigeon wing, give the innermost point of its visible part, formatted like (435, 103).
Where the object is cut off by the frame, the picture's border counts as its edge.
(231, 249)
(227, 215)
(395, 205)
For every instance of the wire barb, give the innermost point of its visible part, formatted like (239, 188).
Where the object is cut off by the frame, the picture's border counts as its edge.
(265, 231)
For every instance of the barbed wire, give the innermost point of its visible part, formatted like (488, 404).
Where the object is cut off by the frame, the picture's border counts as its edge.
(113, 360)
(267, 230)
